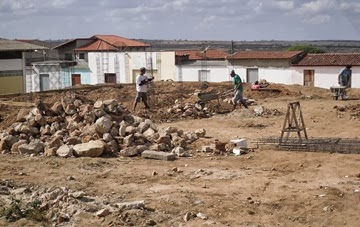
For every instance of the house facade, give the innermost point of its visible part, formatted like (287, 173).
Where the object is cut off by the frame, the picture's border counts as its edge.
(196, 65)
(13, 65)
(322, 70)
(114, 59)
(272, 66)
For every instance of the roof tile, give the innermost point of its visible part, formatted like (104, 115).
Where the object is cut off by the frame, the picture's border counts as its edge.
(200, 55)
(265, 55)
(330, 59)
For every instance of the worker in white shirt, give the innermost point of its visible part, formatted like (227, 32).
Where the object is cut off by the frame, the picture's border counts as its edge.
(141, 89)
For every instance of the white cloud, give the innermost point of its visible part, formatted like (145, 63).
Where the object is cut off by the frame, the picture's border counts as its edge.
(318, 19)
(284, 5)
(318, 6)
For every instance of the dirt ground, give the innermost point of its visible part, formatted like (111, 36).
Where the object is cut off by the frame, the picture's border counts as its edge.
(262, 188)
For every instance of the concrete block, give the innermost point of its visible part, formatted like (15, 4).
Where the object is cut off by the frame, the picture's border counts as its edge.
(240, 143)
(158, 155)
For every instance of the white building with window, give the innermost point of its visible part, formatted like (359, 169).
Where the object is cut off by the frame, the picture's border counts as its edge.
(322, 70)
(196, 65)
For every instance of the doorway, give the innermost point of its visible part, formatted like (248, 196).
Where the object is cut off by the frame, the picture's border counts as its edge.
(309, 77)
(252, 75)
(110, 78)
(75, 79)
(44, 82)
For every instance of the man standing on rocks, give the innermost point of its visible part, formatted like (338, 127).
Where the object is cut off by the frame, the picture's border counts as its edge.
(141, 90)
(239, 89)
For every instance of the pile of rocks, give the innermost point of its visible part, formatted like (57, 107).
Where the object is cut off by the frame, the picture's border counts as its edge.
(190, 110)
(73, 127)
(61, 204)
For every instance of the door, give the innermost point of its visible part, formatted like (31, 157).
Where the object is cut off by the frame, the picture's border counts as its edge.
(44, 82)
(75, 79)
(204, 75)
(252, 75)
(309, 78)
(110, 78)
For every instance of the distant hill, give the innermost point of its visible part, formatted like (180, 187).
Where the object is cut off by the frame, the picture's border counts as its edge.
(336, 46)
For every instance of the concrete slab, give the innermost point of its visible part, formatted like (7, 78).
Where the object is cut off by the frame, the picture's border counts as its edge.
(159, 155)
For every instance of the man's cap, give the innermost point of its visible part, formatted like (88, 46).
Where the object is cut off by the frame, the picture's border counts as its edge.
(142, 69)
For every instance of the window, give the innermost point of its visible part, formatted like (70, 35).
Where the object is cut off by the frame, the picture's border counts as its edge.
(11, 73)
(110, 78)
(82, 56)
(68, 56)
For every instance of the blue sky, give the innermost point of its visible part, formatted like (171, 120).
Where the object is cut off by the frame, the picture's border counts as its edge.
(182, 19)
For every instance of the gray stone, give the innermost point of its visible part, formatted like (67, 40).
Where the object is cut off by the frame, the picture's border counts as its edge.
(158, 155)
(202, 216)
(113, 146)
(206, 149)
(78, 194)
(21, 116)
(89, 117)
(4, 190)
(103, 213)
(99, 112)
(129, 152)
(34, 148)
(122, 130)
(149, 133)
(164, 139)
(131, 129)
(103, 125)
(179, 142)
(40, 120)
(93, 148)
(131, 205)
(128, 140)
(10, 140)
(77, 103)
(73, 140)
(171, 129)
(200, 132)
(70, 109)
(99, 105)
(152, 125)
(143, 126)
(15, 146)
(180, 152)
(46, 130)
(64, 151)
(54, 143)
(107, 137)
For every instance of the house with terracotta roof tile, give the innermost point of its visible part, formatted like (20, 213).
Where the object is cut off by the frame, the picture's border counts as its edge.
(201, 65)
(322, 70)
(106, 59)
(273, 66)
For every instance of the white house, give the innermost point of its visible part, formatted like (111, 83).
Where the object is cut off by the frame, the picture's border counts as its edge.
(207, 65)
(273, 66)
(322, 70)
(114, 59)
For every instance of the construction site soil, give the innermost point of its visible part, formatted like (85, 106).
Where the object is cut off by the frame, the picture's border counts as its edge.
(263, 187)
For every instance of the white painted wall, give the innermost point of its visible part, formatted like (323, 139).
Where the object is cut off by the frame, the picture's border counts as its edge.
(167, 66)
(218, 73)
(327, 76)
(136, 61)
(11, 64)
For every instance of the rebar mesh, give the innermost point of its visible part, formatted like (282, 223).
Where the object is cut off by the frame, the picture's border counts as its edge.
(333, 145)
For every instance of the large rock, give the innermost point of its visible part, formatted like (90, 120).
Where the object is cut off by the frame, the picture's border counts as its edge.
(103, 125)
(64, 151)
(129, 152)
(152, 125)
(57, 108)
(15, 146)
(10, 140)
(122, 130)
(54, 143)
(158, 155)
(34, 148)
(99, 104)
(21, 116)
(93, 148)
(143, 126)
(128, 140)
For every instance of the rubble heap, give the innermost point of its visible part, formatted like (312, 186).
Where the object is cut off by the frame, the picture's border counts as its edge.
(73, 127)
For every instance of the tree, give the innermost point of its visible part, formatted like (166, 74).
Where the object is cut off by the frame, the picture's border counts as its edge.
(309, 49)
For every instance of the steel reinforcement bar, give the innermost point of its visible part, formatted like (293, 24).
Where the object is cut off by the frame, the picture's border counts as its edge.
(333, 145)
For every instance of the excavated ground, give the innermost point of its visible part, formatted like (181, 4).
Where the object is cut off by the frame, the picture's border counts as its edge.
(261, 188)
